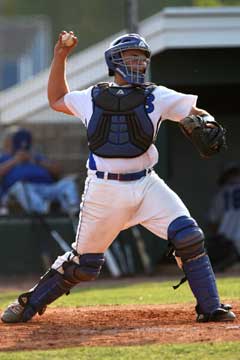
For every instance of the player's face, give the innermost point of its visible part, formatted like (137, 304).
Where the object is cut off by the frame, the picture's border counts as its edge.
(135, 60)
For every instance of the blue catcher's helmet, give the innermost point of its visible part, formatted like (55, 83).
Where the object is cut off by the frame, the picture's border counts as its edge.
(116, 62)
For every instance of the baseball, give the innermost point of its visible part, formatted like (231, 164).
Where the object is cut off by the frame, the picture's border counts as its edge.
(67, 39)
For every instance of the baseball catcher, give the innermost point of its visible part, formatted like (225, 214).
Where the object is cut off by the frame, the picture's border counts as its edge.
(122, 118)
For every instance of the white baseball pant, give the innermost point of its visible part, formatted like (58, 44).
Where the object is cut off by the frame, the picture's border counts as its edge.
(109, 206)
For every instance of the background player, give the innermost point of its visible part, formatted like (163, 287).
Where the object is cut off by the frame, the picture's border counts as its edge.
(33, 179)
(122, 190)
(224, 219)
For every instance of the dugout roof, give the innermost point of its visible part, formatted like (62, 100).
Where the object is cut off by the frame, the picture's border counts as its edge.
(172, 28)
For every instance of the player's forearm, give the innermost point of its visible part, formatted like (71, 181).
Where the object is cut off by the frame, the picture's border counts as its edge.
(7, 166)
(57, 83)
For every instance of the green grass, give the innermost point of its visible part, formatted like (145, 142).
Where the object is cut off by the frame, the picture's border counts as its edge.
(152, 292)
(226, 351)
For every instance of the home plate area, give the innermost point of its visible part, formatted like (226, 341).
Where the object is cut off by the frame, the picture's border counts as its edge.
(116, 326)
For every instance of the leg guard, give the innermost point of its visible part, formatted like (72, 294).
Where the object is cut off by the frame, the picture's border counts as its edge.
(188, 242)
(53, 284)
(202, 283)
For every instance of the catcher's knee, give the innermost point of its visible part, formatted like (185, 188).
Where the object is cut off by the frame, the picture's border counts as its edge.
(186, 238)
(89, 268)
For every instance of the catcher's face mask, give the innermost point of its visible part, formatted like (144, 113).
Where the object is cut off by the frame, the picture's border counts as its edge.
(132, 64)
(132, 67)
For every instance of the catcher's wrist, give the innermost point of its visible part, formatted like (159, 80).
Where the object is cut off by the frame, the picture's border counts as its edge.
(60, 57)
(208, 117)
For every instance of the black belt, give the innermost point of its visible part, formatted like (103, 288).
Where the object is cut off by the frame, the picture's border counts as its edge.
(123, 177)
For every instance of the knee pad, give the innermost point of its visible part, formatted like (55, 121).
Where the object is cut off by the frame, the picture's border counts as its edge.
(89, 268)
(186, 237)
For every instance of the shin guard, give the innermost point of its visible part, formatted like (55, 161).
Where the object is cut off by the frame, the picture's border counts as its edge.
(53, 284)
(202, 283)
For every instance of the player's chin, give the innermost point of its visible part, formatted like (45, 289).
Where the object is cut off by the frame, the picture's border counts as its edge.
(142, 70)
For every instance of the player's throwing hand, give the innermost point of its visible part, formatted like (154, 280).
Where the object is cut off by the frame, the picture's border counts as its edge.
(67, 41)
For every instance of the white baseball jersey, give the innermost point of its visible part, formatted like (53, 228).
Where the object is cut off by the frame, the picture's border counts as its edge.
(225, 211)
(109, 206)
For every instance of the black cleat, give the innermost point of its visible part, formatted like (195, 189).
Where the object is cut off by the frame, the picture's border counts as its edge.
(222, 314)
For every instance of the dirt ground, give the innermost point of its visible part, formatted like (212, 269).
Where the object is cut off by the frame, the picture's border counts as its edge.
(115, 325)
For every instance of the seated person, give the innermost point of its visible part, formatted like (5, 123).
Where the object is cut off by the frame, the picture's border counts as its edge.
(32, 179)
(224, 219)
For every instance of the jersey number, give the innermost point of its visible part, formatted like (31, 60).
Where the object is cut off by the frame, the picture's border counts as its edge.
(232, 199)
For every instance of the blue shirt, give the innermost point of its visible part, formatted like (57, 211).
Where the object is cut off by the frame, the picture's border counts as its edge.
(27, 171)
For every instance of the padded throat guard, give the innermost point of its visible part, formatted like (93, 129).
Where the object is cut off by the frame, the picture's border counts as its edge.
(110, 101)
(120, 126)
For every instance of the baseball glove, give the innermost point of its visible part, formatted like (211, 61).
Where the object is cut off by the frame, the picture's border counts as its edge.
(205, 133)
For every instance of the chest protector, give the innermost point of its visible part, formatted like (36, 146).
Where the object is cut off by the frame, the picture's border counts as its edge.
(120, 126)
